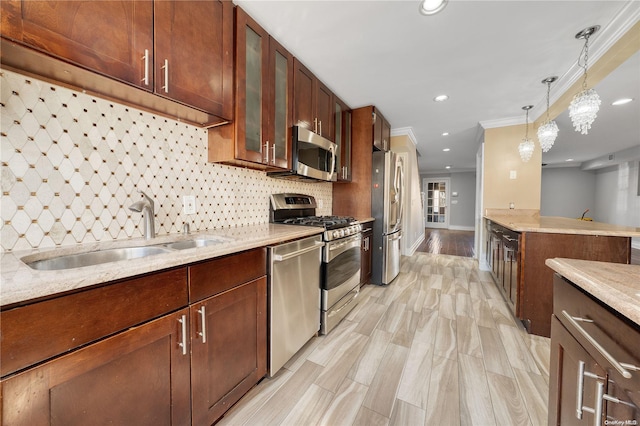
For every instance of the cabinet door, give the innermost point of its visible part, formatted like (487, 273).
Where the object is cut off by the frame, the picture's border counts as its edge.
(574, 378)
(386, 135)
(137, 377)
(76, 31)
(252, 64)
(365, 258)
(229, 348)
(324, 110)
(280, 107)
(194, 54)
(304, 97)
(342, 137)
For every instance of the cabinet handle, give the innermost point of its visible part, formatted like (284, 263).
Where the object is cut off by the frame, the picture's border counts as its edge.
(266, 152)
(273, 154)
(145, 80)
(203, 320)
(597, 415)
(320, 133)
(315, 124)
(183, 337)
(574, 322)
(165, 67)
(579, 394)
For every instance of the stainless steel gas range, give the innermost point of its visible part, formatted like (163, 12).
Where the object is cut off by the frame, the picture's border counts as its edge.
(340, 271)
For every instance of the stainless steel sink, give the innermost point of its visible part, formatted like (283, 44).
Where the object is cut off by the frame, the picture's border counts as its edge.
(79, 260)
(196, 242)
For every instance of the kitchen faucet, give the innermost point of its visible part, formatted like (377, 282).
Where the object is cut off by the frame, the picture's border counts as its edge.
(146, 207)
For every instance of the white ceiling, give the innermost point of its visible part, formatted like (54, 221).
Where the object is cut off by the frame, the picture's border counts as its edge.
(488, 56)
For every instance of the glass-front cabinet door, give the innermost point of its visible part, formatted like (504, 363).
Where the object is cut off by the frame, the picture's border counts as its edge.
(264, 109)
(252, 62)
(280, 106)
(342, 137)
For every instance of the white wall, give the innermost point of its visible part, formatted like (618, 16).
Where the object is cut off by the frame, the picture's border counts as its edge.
(567, 192)
(610, 194)
(461, 214)
(403, 143)
(617, 197)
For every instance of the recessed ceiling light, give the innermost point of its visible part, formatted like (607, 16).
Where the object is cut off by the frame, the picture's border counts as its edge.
(447, 167)
(441, 98)
(569, 159)
(445, 134)
(622, 101)
(447, 149)
(431, 7)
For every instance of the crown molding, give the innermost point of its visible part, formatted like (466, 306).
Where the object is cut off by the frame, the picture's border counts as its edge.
(405, 131)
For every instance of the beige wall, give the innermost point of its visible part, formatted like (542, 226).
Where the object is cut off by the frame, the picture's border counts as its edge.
(500, 158)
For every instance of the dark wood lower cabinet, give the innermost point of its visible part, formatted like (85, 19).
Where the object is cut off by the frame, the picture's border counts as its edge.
(588, 338)
(229, 343)
(365, 255)
(138, 377)
(177, 347)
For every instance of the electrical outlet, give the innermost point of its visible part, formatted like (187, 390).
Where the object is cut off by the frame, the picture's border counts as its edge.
(189, 204)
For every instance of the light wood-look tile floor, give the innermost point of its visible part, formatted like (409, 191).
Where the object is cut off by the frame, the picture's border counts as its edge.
(438, 346)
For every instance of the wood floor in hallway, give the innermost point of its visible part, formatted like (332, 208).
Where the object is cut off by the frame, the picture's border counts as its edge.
(446, 241)
(438, 346)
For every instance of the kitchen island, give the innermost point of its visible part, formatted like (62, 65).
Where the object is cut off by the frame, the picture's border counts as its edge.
(595, 335)
(520, 241)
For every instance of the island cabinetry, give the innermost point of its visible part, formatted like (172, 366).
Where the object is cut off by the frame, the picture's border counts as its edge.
(260, 136)
(313, 102)
(137, 376)
(535, 278)
(151, 46)
(595, 366)
(504, 258)
(228, 331)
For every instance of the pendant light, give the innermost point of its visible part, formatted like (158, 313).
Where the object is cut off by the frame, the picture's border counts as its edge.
(585, 105)
(527, 146)
(548, 131)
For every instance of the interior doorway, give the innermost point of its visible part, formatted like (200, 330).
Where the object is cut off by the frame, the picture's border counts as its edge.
(436, 211)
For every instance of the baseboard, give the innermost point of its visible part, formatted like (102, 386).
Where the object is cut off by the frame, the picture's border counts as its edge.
(462, 228)
(415, 245)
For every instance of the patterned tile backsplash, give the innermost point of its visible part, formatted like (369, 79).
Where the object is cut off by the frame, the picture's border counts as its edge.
(71, 165)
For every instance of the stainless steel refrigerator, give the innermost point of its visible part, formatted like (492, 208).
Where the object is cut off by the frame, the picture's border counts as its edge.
(387, 209)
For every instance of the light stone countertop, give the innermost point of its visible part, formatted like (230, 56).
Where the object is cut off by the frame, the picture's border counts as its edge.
(615, 284)
(558, 225)
(19, 283)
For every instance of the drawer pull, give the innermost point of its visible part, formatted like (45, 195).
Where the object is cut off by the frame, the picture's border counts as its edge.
(183, 337)
(574, 322)
(203, 319)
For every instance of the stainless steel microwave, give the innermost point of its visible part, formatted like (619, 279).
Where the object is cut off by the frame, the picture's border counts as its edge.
(313, 157)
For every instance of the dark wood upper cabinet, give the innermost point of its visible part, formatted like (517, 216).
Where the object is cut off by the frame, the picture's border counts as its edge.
(261, 133)
(313, 102)
(76, 31)
(381, 131)
(342, 137)
(193, 54)
(179, 50)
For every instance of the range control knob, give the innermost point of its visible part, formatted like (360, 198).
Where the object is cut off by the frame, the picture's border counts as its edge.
(336, 234)
(347, 231)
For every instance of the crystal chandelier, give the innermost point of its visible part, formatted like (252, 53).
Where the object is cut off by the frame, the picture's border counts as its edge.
(548, 131)
(527, 146)
(585, 105)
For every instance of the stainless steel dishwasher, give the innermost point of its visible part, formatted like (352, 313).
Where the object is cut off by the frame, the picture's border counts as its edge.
(294, 298)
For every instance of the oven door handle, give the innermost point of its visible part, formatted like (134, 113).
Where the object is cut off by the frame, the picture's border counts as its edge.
(283, 257)
(336, 248)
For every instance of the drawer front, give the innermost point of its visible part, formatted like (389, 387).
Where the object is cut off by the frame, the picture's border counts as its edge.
(39, 331)
(223, 273)
(604, 329)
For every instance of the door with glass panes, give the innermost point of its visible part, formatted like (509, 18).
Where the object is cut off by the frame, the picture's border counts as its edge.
(436, 197)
